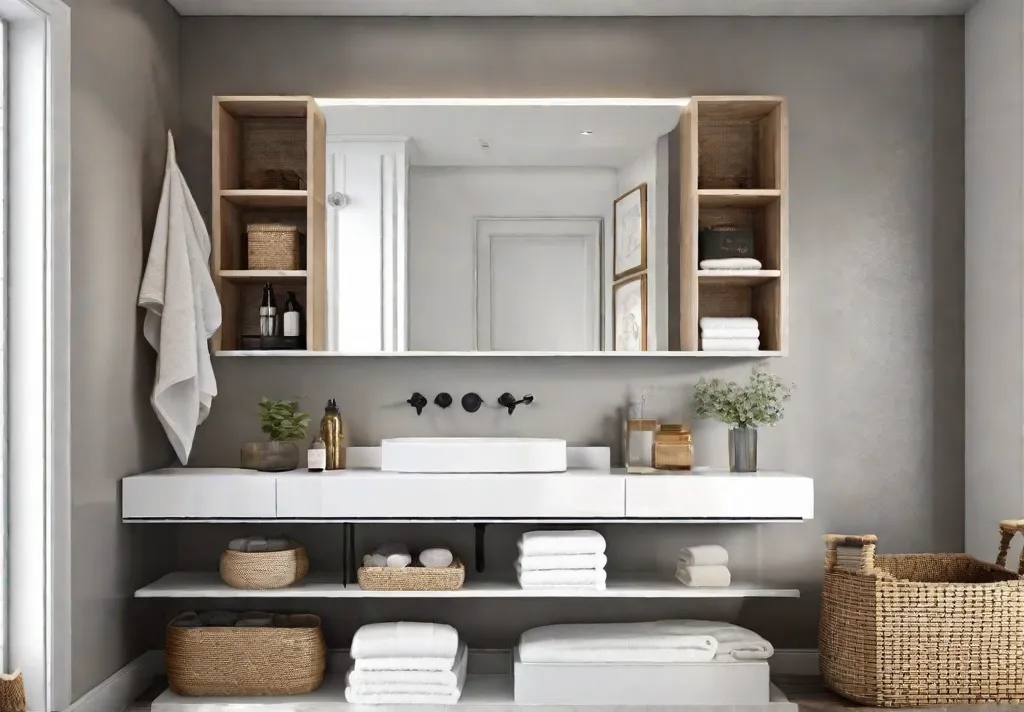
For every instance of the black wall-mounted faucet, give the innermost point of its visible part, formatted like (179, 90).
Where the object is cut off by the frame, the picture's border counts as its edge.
(507, 400)
(418, 401)
(443, 400)
(472, 402)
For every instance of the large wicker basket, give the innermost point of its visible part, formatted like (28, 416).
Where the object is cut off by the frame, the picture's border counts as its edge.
(288, 659)
(412, 578)
(264, 569)
(919, 630)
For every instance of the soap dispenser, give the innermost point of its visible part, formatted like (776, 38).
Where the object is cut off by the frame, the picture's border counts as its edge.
(333, 435)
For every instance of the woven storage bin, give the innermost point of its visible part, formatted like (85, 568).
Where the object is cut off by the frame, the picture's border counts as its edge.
(264, 569)
(288, 659)
(273, 246)
(922, 629)
(412, 578)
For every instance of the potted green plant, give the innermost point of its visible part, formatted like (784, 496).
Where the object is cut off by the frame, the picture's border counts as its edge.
(284, 425)
(744, 408)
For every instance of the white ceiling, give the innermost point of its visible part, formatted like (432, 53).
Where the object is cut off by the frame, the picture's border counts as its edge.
(533, 135)
(515, 8)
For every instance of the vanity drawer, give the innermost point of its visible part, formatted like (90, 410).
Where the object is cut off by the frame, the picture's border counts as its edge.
(180, 493)
(348, 495)
(720, 496)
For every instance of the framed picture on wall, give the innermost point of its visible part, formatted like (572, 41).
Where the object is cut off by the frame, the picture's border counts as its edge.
(629, 240)
(629, 304)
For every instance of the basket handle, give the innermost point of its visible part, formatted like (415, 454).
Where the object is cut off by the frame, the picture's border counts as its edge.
(866, 542)
(1007, 528)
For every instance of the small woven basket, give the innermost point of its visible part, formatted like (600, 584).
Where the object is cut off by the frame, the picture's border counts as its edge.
(273, 246)
(916, 630)
(264, 570)
(412, 578)
(288, 659)
(12, 693)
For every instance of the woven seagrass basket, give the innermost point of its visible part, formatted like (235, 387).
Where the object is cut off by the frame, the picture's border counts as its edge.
(412, 578)
(261, 570)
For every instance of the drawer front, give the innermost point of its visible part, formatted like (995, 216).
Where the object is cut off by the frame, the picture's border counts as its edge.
(199, 497)
(419, 496)
(719, 497)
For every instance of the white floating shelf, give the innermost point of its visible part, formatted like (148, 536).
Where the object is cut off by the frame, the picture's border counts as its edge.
(294, 353)
(189, 584)
(488, 693)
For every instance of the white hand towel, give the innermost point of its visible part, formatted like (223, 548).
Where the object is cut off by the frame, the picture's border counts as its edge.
(730, 344)
(404, 664)
(238, 544)
(436, 558)
(256, 544)
(704, 555)
(562, 562)
(182, 311)
(627, 655)
(406, 640)
(397, 555)
(728, 322)
(552, 643)
(562, 577)
(355, 694)
(731, 263)
(718, 332)
(546, 543)
(704, 576)
(734, 642)
(369, 679)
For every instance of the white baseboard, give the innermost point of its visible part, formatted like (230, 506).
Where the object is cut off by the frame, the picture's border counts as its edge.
(794, 661)
(123, 687)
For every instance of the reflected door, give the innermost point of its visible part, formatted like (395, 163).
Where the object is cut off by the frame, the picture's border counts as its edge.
(538, 285)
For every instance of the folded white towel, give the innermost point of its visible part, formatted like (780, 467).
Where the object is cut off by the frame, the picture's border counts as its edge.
(370, 679)
(406, 640)
(445, 695)
(547, 543)
(405, 663)
(397, 555)
(627, 655)
(562, 577)
(730, 344)
(238, 544)
(734, 642)
(731, 263)
(436, 558)
(375, 560)
(704, 576)
(728, 322)
(704, 555)
(561, 643)
(561, 562)
(719, 332)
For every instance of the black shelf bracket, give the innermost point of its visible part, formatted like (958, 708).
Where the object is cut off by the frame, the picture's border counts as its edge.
(479, 548)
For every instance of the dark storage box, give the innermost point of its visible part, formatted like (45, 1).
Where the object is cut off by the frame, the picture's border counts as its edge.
(718, 244)
(272, 343)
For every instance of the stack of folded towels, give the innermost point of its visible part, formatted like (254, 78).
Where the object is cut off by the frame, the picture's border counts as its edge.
(738, 263)
(739, 333)
(679, 641)
(406, 664)
(561, 560)
(704, 566)
(252, 544)
(224, 619)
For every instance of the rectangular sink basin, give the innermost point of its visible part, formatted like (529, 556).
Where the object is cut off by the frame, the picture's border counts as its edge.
(484, 455)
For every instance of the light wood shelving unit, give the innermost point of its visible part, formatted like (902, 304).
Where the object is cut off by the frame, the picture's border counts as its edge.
(734, 166)
(301, 130)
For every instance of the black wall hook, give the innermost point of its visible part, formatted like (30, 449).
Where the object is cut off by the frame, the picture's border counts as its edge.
(443, 400)
(418, 401)
(507, 400)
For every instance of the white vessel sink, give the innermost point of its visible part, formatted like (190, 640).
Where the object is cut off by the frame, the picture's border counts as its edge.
(484, 455)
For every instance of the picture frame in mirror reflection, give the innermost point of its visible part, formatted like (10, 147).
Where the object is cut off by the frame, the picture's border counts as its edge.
(629, 300)
(629, 225)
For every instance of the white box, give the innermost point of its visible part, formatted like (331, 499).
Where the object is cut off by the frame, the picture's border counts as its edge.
(678, 684)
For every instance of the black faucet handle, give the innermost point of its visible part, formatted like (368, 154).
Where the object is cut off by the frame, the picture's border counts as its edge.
(507, 400)
(443, 400)
(471, 402)
(418, 401)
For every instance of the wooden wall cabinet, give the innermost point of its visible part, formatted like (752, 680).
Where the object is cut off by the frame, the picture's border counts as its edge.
(259, 141)
(734, 166)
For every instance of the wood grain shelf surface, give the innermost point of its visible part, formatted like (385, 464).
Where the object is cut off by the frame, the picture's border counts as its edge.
(736, 198)
(737, 277)
(266, 198)
(263, 275)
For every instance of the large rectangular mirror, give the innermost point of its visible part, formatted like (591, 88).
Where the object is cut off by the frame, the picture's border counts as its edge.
(512, 226)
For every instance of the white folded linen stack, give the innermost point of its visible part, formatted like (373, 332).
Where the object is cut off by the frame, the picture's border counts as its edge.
(704, 566)
(406, 664)
(731, 263)
(562, 559)
(649, 642)
(729, 334)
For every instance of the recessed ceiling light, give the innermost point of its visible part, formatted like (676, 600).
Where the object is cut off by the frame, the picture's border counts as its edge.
(586, 133)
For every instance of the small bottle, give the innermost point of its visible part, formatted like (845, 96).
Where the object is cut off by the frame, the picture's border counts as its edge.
(316, 457)
(333, 436)
(292, 319)
(638, 439)
(268, 311)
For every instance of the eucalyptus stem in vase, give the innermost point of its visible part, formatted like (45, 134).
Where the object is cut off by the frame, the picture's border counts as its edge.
(744, 408)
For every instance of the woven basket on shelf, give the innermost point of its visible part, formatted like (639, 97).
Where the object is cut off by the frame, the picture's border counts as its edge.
(12, 693)
(412, 578)
(264, 569)
(919, 630)
(288, 659)
(273, 246)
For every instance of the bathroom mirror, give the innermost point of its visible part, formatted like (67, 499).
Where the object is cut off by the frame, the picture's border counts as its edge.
(501, 225)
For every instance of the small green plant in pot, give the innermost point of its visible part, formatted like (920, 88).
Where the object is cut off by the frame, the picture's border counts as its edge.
(744, 408)
(284, 425)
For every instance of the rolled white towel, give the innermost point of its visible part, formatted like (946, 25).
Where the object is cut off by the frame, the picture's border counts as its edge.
(730, 344)
(704, 555)
(405, 640)
(704, 576)
(563, 562)
(584, 578)
(397, 555)
(219, 619)
(239, 544)
(718, 332)
(436, 558)
(188, 619)
(255, 544)
(547, 543)
(375, 560)
(731, 263)
(728, 322)
(278, 543)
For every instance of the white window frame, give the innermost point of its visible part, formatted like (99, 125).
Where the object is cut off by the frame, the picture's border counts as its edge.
(38, 347)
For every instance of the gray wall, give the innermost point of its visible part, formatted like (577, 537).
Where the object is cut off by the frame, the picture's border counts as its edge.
(876, 120)
(125, 86)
